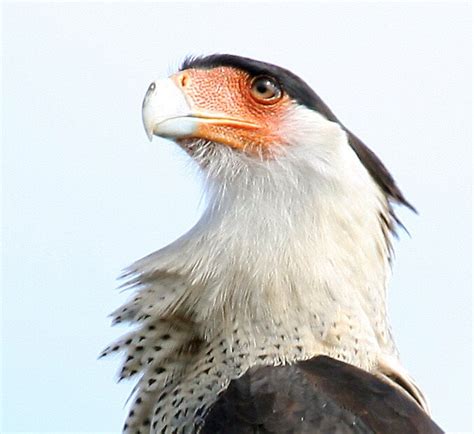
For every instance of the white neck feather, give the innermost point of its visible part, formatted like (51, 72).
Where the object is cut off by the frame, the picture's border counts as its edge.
(290, 260)
(284, 240)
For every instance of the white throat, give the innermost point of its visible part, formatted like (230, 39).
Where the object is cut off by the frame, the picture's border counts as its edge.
(289, 261)
(284, 242)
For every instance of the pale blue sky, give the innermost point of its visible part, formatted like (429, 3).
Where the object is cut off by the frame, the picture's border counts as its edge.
(85, 193)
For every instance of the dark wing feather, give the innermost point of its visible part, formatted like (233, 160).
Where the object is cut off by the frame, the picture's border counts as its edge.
(321, 395)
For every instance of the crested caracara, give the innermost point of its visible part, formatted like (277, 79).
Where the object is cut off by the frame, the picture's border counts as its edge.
(269, 315)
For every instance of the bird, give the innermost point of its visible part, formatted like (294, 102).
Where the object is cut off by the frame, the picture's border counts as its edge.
(270, 314)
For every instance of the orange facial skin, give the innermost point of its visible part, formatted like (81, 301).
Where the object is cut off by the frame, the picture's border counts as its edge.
(231, 113)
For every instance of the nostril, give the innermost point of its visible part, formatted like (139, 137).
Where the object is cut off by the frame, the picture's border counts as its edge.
(152, 87)
(184, 80)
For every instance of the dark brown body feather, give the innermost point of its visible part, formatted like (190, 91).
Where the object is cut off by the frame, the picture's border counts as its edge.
(321, 395)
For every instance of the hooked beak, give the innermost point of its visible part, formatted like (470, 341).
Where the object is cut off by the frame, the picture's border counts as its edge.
(167, 113)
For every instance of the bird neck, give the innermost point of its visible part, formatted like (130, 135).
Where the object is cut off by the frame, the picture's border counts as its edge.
(284, 245)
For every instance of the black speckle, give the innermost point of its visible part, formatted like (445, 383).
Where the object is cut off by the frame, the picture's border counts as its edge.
(146, 422)
(157, 348)
(139, 348)
(151, 381)
(166, 337)
(199, 412)
(138, 401)
(160, 370)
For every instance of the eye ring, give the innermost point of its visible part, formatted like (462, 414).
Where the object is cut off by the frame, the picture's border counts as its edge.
(265, 89)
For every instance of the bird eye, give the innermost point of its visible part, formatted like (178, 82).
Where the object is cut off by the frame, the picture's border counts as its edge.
(265, 89)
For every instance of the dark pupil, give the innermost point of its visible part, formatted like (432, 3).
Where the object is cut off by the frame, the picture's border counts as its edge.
(262, 87)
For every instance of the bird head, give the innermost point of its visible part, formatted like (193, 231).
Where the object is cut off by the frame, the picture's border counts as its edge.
(246, 112)
(252, 107)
